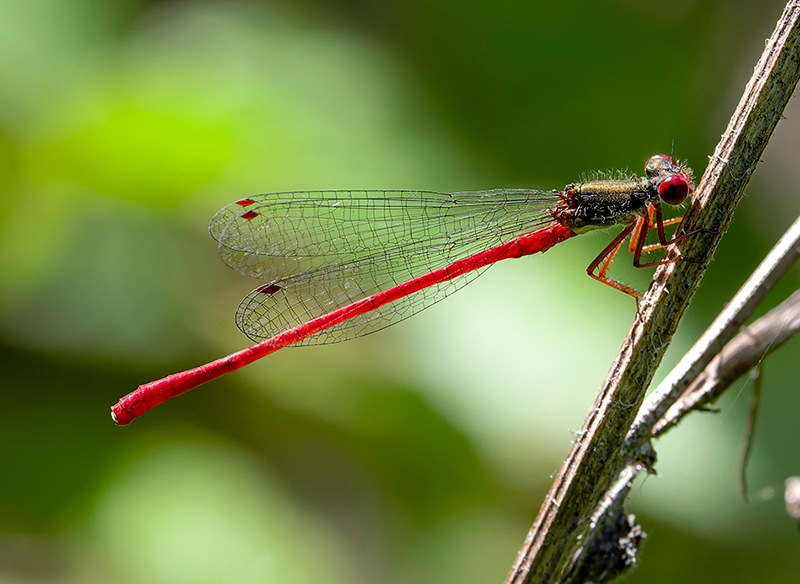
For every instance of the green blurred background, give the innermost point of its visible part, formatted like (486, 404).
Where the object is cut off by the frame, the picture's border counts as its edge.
(419, 454)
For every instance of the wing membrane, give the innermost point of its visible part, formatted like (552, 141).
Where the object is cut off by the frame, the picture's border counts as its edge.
(322, 250)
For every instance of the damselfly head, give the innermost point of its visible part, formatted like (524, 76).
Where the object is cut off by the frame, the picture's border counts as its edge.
(674, 182)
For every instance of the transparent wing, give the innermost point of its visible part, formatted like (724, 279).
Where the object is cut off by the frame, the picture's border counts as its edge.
(322, 250)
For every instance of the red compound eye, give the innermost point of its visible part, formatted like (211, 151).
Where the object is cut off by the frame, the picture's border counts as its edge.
(674, 189)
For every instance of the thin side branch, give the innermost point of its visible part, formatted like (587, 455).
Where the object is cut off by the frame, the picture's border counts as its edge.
(596, 460)
(743, 353)
(737, 311)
